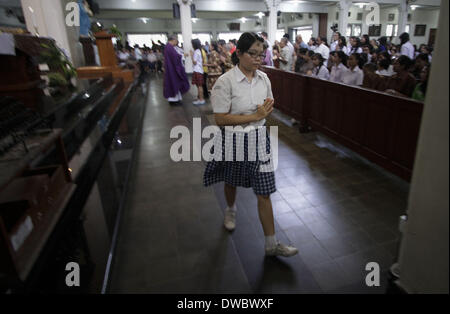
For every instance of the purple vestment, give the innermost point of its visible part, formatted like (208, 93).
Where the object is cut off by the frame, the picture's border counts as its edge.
(175, 78)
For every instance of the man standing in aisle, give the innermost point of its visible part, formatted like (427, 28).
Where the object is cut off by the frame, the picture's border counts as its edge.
(286, 55)
(407, 48)
(175, 79)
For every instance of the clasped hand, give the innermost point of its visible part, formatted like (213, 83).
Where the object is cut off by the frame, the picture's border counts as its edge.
(265, 109)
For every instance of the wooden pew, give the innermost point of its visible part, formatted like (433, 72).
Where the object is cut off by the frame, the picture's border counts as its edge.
(381, 127)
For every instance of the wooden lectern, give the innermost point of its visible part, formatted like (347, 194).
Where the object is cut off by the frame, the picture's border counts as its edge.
(106, 49)
(108, 61)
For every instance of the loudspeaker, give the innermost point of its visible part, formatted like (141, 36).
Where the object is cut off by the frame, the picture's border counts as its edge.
(234, 26)
(176, 10)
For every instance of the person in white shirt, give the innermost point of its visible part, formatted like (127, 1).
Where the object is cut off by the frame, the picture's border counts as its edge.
(338, 70)
(289, 44)
(407, 48)
(312, 44)
(243, 97)
(286, 57)
(124, 55)
(265, 37)
(342, 46)
(335, 43)
(152, 59)
(385, 68)
(197, 76)
(355, 43)
(354, 75)
(323, 49)
(320, 71)
(137, 53)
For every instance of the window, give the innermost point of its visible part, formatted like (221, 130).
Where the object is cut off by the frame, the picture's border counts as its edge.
(305, 31)
(228, 36)
(359, 17)
(349, 30)
(354, 30)
(280, 33)
(202, 36)
(145, 39)
(391, 30)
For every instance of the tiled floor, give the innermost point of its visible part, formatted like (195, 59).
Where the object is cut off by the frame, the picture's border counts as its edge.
(340, 211)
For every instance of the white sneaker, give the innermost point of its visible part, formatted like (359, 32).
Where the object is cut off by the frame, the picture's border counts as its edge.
(196, 102)
(201, 102)
(282, 250)
(230, 220)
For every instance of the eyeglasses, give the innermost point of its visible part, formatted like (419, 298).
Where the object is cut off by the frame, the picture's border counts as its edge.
(255, 55)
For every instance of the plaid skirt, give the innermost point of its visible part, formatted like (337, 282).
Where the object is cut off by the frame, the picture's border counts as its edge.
(245, 160)
(197, 79)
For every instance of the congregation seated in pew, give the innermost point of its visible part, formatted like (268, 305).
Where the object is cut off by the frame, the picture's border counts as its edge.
(372, 64)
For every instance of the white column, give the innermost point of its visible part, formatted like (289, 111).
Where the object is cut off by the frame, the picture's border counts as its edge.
(315, 29)
(402, 17)
(186, 30)
(46, 18)
(424, 249)
(344, 7)
(272, 21)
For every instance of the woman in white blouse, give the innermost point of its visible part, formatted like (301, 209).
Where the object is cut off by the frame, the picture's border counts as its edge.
(243, 97)
(354, 75)
(342, 46)
(320, 70)
(338, 70)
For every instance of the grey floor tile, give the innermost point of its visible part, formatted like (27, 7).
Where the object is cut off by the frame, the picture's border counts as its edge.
(288, 220)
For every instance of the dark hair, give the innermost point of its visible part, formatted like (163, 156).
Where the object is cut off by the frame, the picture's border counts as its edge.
(321, 61)
(222, 42)
(310, 53)
(404, 38)
(341, 55)
(302, 51)
(264, 34)
(424, 85)
(383, 41)
(405, 61)
(372, 67)
(367, 38)
(358, 59)
(265, 45)
(196, 44)
(357, 40)
(324, 40)
(423, 57)
(343, 40)
(244, 43)
(368, 46)
(286, 36)
(364, 59)
(313, 40)
(384, 63)
(215, 46)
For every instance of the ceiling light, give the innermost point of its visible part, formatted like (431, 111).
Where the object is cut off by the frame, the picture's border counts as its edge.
(243, 20)
(194, 20)
(414, 7)
(260, 15)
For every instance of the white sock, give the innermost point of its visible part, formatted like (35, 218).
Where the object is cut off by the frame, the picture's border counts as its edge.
(232, 208)
(271, 241)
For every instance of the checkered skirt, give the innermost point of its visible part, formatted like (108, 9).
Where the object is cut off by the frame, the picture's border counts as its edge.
(248, 166)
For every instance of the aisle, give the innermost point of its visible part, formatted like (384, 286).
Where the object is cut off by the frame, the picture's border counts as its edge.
(339, 211)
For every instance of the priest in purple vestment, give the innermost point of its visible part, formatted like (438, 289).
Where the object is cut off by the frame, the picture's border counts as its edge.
(175, 79)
